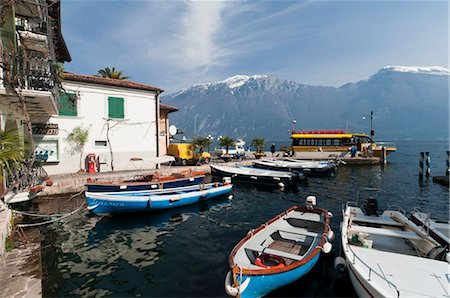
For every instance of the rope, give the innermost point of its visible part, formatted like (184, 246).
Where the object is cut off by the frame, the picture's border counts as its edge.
(51, 221)
(46, 215)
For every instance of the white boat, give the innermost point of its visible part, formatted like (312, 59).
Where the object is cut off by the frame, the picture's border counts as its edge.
(310, 167)
(388, 255)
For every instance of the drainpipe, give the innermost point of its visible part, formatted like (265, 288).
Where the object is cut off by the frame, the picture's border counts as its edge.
(157, 123)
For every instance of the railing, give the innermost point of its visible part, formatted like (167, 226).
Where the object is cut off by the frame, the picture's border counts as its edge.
(36, 176)
(386, 144)
(355, 257)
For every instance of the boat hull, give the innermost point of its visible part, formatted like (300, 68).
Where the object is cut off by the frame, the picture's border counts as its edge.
(139, 186)
(310, 172)
(261, 285)
(115, 203)
(257, 180)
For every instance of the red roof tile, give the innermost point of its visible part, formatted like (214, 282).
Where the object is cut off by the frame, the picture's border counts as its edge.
(110, 82)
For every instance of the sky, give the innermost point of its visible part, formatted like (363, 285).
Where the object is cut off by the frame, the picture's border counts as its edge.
(175, 44)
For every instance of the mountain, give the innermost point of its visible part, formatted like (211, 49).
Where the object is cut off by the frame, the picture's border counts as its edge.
(408, 103)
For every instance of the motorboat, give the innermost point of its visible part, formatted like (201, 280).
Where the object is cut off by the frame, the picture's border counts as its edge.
(309, 167)
(141, 201)
(243, 174)
(279, 252)
(387, 255)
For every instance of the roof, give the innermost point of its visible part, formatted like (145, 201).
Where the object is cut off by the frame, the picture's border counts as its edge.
(170, 109)
(109, 82)
(61, 50)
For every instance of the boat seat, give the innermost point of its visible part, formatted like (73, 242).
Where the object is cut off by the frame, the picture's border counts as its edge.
(271, 251)
(377, 220)
(385, 232)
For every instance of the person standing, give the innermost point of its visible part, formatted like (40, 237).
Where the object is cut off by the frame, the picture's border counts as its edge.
(272, 149)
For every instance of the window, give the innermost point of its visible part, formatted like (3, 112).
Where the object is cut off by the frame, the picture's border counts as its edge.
(68, 104)
(115, 107)
(101, 143)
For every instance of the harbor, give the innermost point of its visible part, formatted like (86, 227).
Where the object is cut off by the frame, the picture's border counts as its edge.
(208, 231)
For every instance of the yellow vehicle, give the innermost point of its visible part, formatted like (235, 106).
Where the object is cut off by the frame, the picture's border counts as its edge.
(188, 154)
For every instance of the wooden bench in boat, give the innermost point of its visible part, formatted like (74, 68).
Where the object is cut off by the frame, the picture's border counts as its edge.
(275, 252)
(385, 232)
(387, 221)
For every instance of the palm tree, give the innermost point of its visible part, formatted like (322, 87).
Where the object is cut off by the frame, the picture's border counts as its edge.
(227, 142)
(11, 154)
(111, 73)
(258, 144)
(202, 142)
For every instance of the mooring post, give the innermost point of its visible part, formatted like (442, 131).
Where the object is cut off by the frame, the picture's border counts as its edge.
(421, 165)
(383, 155)
(448, 163)
(427, 163)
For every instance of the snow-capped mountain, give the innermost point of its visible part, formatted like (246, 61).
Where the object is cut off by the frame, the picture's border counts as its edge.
(408, 102)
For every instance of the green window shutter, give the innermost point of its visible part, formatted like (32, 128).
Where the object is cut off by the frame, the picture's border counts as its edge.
(115, 107)
(67, 106)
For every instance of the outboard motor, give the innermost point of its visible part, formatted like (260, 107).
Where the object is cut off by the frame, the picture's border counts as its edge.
(371, 206)
(311, 202)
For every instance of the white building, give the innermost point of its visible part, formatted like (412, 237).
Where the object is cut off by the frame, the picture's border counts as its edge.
(121, 118)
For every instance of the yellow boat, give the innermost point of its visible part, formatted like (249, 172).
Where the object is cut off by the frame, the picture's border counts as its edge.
(338, 141)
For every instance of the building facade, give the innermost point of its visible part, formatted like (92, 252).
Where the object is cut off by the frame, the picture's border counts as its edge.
(121, 120)
(30, 44)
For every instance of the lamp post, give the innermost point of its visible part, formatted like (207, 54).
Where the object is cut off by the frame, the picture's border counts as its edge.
(293, 124)
(210, 138)
(372, 131)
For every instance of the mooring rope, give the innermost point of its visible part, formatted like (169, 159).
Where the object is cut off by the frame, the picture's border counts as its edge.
(50, 221)
(45, 215)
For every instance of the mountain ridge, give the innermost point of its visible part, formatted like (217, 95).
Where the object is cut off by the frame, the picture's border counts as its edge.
(264, 105)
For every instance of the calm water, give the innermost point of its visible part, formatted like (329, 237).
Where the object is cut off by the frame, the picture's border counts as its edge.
(184, 251)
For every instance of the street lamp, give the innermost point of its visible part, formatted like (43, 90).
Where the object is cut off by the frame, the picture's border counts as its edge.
(293, 124)
(210, 138)
(372, 131)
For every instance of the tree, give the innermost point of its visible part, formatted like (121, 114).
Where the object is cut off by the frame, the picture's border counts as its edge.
(227, 142)
(12, 154)
(77, 138)
(111, 73)
(202, 142)
(258, 143)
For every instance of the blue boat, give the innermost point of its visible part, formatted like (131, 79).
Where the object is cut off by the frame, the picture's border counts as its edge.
(150, 182)
(140, 201)
(279, 252)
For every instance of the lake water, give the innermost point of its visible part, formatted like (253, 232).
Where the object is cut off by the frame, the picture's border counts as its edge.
(184, 251)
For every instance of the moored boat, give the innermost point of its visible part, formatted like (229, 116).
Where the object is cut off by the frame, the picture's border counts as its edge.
(326, 143)
(387, 255)
(241, 174)
(310, 167)
(148, 182)
(140, 201)
(279, 252)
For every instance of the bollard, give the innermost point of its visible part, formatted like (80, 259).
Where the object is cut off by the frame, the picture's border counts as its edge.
(383, 155)
(427, 163)
(448, 163)
(421, 165)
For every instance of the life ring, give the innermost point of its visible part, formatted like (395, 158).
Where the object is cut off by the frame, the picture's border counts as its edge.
(263, 259)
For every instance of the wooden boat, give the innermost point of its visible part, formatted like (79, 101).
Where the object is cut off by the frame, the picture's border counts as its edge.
(154, 181)
(309, 167)
(387, 255)
(241, 174)
(278, 252)
(439, 230)
(140, 201)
